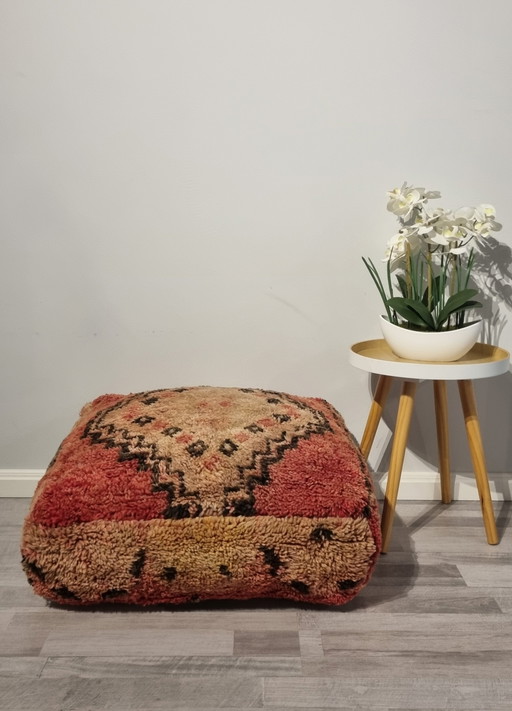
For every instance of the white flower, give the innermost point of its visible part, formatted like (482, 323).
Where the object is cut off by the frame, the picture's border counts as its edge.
(402, 201)
(466, 213)
(422, 225)
(484, 222)
(431, 194)
(432, 245)
(484, 229)
(446, 232)
(451, 243)
(487, 211)
(450, 232)
(441, 214)
(459, 250)
(397, 245)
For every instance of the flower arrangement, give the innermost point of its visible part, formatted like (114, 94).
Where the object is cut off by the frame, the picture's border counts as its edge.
(432, 256)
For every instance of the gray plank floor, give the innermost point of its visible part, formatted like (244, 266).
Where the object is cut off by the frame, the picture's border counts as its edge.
(432, 630)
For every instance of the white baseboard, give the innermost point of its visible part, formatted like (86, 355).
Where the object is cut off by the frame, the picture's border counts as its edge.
(19, 482)
(425, 486)
(413, 486)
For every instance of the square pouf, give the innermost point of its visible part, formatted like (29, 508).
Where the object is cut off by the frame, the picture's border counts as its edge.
(172, 496)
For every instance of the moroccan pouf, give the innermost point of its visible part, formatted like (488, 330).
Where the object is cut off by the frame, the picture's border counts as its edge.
(188, 494)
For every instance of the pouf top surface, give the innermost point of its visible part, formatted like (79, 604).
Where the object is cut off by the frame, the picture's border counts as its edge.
(178, 435)
(203, 451)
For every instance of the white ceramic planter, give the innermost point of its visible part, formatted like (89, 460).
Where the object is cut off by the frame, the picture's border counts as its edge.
(430, 345)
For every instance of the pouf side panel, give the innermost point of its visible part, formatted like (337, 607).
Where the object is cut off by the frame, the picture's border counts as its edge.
(318, 560)
(325, 475)
(361, 463)
(329, 482)
(85, 483)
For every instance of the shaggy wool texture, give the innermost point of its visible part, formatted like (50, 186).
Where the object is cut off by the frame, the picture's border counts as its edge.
(188, 494)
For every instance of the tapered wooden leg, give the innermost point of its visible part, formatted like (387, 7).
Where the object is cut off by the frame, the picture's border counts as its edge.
(467, 398)
(443, 447)
(403, 421)
(375, 414)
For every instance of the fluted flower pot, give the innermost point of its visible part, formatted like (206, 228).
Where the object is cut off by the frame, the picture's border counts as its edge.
(430, 345)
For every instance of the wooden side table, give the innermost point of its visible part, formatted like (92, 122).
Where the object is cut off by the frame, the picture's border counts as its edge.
(482, 361)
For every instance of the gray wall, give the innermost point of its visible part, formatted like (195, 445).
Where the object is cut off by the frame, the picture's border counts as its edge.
(188, 187)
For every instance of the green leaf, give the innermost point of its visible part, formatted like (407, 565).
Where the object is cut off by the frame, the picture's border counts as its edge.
(414, 311)
(457, 302)
(402, 285)
(411, 316)
(434, 294)
(380, 287)
(465, 307)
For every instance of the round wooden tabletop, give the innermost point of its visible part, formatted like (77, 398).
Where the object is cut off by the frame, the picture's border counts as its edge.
(482, 361)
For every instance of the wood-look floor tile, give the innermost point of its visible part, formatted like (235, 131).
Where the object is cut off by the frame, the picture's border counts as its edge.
(10, 543)
(357, 664)
(225, 618)
(392, 570)
(17, 596)
(310, 644)
(154, 693)
(13, 511)
(458, 513)
(428, 623)
(504, 601)
(5, 618)
(459, 540)
(266, 642)
(12, 575)
(127, 667)
(144, 642)
(442, 600)
(503, 597)
(22, 639)
(487, 574)
(18, 667)
(412, 641)
(75, 623)
(491, 554)
(405, 694)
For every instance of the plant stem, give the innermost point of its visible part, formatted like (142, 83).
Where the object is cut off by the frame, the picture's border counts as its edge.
(453, 272)
(408, 270)
(429, 278)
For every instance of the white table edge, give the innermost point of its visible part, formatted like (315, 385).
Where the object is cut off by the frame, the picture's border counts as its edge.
(429, 371)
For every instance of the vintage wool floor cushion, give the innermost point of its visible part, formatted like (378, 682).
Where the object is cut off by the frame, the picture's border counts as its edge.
(196, 493)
